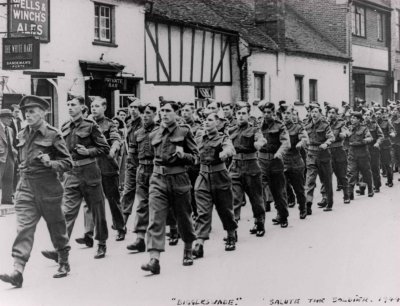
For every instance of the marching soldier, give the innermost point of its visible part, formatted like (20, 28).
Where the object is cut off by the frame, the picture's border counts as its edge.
(227, 108)
(134, 123)
(245, 170)
(213, 185)
(318, 156)
(293, 161)
(374, 149)
(142, 153)
(85, 142)
(386, 146)
(223, 123)
(359, 158)
(43, 154)
(109, 174)
(339, 158)
(174, 149)
(396, 138)
(270, 158)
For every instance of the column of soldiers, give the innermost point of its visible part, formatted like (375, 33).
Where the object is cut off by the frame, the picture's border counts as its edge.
(180, 166)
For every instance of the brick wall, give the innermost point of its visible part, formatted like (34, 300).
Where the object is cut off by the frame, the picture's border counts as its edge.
(328, 17)
(371, 30)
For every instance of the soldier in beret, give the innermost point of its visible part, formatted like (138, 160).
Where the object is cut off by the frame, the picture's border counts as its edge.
(318, 156)
(359, 158)
(339, 157)
(43, 154)
(245, 170)
(174, 149)
(271, 160)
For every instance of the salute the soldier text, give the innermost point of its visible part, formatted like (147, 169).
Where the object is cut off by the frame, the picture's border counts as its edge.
(43, 155)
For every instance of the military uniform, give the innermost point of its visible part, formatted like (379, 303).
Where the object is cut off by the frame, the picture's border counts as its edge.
(128, 197)
(39, 192)
(339, 157)
(359, 158)
(272, 169)
(213, 185)
(143, 153)
(319, 161)
(84, 180)
(294, 164)
(377, 135)
(109, 177)
(396, 141)
(246, 173)
(170, 184)
(385, 147)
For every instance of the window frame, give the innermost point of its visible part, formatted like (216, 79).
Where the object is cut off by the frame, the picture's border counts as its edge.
(202, 101)
(380, 21)
(301, 80)
(313, 83)
(98, 40)
(260, 75)
(359, 21)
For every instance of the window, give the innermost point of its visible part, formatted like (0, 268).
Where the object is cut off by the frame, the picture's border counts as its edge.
(358, 19)
(398, 29)
(44, 88)
(103, 23)
(379, 21)
(259, 86)
(299, 88)
(202, 94)
(313, 90)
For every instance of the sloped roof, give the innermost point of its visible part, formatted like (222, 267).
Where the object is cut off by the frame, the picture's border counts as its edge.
(302, 37)
(227, 15)
(238, 16)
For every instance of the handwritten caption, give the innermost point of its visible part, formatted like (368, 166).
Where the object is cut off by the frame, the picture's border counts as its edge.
(349, 300)
(197, 302)
(357, 299)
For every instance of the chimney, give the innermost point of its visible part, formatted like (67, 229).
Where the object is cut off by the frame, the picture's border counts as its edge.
(270, 18)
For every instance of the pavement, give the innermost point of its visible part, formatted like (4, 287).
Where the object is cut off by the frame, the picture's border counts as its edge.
(349, 256)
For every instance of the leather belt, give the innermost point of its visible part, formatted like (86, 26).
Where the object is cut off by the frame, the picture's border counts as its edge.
(245, 156)
(165, 170)
(337, 144)
(83, 162)
(212, 168)
(267, 156)
(314, 148)
(145, 162)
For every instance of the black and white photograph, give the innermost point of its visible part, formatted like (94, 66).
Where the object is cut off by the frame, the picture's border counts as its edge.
(199, 152)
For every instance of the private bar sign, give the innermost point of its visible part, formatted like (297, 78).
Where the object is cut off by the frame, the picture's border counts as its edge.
(30, 18)
(21, 53)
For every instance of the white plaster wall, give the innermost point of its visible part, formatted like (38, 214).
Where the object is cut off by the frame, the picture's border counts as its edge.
(333, 83)
(372, 58)
(71, 37)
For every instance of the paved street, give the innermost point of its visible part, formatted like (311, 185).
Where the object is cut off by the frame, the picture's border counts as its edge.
(350, 253)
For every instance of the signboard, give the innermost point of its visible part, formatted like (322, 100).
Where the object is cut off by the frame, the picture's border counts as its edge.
(30, 18)
(115, 83)
(21, 53)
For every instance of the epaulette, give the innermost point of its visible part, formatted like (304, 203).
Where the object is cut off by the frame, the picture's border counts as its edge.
(65, 124)
(89, 120)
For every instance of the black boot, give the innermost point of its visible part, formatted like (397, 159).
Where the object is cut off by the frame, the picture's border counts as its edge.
(138, 245)
(15, 278)
(187, 257)
(86, 240)
(230, 244)
(63, 270)
(303, 211)
(53, 255)
(120, 236)
(346, 196)
(173, 236)
(309, 210)
(260, 229)
(153, 266)
(361, 191)
(198, 251)
(101, 251)
(322, 204)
